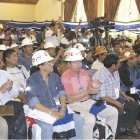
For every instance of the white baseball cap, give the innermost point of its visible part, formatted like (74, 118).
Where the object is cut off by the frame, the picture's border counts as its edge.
(14, 45)
(49, 45)
(3, 47)
(40, 57)
(26, 41)
(79, 46)
(73, 54)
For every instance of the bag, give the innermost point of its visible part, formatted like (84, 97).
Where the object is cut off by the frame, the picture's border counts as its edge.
(102, 131)
(17, 128)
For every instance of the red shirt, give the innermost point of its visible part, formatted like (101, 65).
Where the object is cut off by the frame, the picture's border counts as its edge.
(73, 84)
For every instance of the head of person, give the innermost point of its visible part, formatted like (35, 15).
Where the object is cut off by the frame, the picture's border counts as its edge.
(28, 32)
(81, 48)
(100, 53)
(83, 31)
(42, 61)
(52, 26)
(128, 56)
(118, 36)
(74, 59)
(71, 35)
(41, 45)
(116, 47)
(50, 48)
(112, 62)
(15, 47)
(27, 46)
(7, 32)
(10, 58)
(67, 29)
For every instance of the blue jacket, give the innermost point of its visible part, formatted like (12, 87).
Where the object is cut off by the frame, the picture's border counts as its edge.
(38, 91)
(128, 77)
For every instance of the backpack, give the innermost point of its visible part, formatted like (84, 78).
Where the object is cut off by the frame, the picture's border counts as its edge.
(102, 131)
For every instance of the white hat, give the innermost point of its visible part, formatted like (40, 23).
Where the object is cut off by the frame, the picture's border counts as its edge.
(79, 46)
(3, 47)
(49, 45)
(14, 45)
(26, 41)
(73, 54)
(40, 57)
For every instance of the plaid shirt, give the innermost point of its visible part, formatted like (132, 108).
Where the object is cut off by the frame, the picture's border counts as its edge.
(109, 83)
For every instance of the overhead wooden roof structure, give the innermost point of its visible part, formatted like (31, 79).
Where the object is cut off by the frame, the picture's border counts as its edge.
(21, 1)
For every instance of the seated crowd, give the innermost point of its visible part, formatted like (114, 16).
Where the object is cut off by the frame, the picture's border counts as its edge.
(70, 77)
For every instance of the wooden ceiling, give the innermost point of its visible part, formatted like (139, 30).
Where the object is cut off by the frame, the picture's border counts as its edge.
(21, 1)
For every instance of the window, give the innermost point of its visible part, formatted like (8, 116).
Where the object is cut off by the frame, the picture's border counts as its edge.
(128, 11)
(79, 13)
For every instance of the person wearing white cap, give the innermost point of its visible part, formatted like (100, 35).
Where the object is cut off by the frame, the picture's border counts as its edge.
(15, 47)
(82, 50)
(50, 48)
(2, 48)
(78, 86)
(46, 93)
(25, 58)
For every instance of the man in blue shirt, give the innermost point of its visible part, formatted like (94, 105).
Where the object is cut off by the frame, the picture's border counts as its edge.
(25, 58)
(46, 93)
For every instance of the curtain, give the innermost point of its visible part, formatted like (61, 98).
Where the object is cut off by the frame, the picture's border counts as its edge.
(138, 5)
(111, 8)
(91, 7)
(69, 7)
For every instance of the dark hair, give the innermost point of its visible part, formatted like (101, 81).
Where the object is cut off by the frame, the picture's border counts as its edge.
(115, 43)
(83, 30)
(34, 69)
(7, 53)
(52, 24)
(110, 60)
(67, 29)
(71, 35)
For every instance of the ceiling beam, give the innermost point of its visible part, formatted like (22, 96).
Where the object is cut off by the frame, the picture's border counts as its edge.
(21, 1)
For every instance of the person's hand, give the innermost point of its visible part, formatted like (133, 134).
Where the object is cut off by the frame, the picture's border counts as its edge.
(92, 91)
(56, 115)
(22, 97)
(96, 84)
(62, 112)
(3, 88)
(60, 52)
(80, 21)
(129, 98)
(59, 20)
(9, 84)
(120, 105)
(89, 55)
(73, 43)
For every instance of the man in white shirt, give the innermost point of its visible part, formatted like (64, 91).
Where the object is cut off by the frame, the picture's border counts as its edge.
(18, 73)
(51, 34)
(100, 52)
